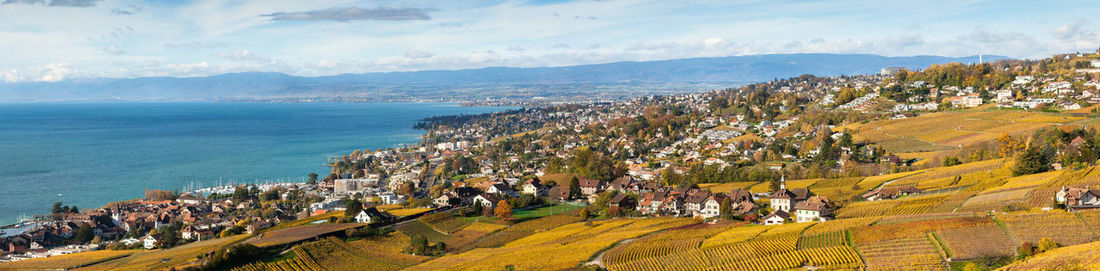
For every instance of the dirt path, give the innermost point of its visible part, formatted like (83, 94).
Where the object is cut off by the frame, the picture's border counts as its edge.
(599, 257)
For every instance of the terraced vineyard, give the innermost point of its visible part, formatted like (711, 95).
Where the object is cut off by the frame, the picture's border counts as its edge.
(293, 264)
(981, 241)
(829, 239)
(335, 254)
(943, 177)
(839, 188)
(776, 248)
(1061, 226)
(526, 228)
(443, 222)
(389, 247)
(570, 244)
(418, 228)
(910, 253)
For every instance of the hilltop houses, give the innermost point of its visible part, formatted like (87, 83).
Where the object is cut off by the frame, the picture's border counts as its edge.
(1076, 198)
(890, 193)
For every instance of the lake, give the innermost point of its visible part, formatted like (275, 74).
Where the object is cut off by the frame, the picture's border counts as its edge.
(91, 154)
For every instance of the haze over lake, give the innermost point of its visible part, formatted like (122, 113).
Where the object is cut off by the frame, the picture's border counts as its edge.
(92, 154)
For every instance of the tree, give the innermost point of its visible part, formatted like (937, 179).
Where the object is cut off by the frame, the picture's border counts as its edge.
(726, 208)
(503, 210)
(1046, 244)
(951, 161)
(574, 188)
(312, 178)
(353, 207)
(1031, 161)
(1009, 145)
(971, 267)
(56, 208)
(1026, 249)
(440, 248)
(476, 209)
(583, 214)
(84, 234)
(418, 245)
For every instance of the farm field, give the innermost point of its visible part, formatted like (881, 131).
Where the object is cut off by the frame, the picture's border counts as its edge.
(289, 235)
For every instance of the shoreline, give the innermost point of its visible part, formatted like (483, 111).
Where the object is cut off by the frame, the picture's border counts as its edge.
(24, 218)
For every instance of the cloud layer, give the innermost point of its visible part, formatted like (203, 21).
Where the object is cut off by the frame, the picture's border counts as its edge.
(135, 38)
(353, 14)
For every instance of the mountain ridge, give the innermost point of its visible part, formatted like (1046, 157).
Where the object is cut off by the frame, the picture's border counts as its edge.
(690, 74)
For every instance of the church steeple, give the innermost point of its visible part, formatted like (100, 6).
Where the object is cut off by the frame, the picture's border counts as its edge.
(782, 181)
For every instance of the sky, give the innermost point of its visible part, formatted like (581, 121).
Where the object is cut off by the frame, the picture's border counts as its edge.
(53, 40)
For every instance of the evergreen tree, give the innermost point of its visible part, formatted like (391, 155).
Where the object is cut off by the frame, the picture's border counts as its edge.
(1031, 161)
(312, 178)
(575, 188)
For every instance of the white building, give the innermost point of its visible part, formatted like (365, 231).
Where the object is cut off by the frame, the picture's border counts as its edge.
(150, 242)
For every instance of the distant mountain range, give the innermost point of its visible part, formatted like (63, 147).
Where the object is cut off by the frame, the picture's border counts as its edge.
(690, 74)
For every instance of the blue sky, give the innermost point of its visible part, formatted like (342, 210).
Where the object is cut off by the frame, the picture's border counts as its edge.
(51, 40)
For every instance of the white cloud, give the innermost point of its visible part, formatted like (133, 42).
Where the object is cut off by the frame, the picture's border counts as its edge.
(114, 50)
(417, 54)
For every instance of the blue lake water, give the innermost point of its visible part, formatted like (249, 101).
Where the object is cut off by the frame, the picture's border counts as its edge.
(95, 153)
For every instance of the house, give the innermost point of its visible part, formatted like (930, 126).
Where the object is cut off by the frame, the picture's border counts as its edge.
(624, 183)
(187, 232)
(535, 187)
(651, 202)
(372, 215)
(501, 189)
(1078, 197)
(590, 187)
(813, 209)
(890, 193)
(712, 206)
(784, 199)
(672, 205)
(738, 195)
(622, 201)
(448, 199)
(776, 218)
(150, 242)
(560, 192)
(693, 203)
(487, 200)
(743, 208)
(390, 198)
(256, 226)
